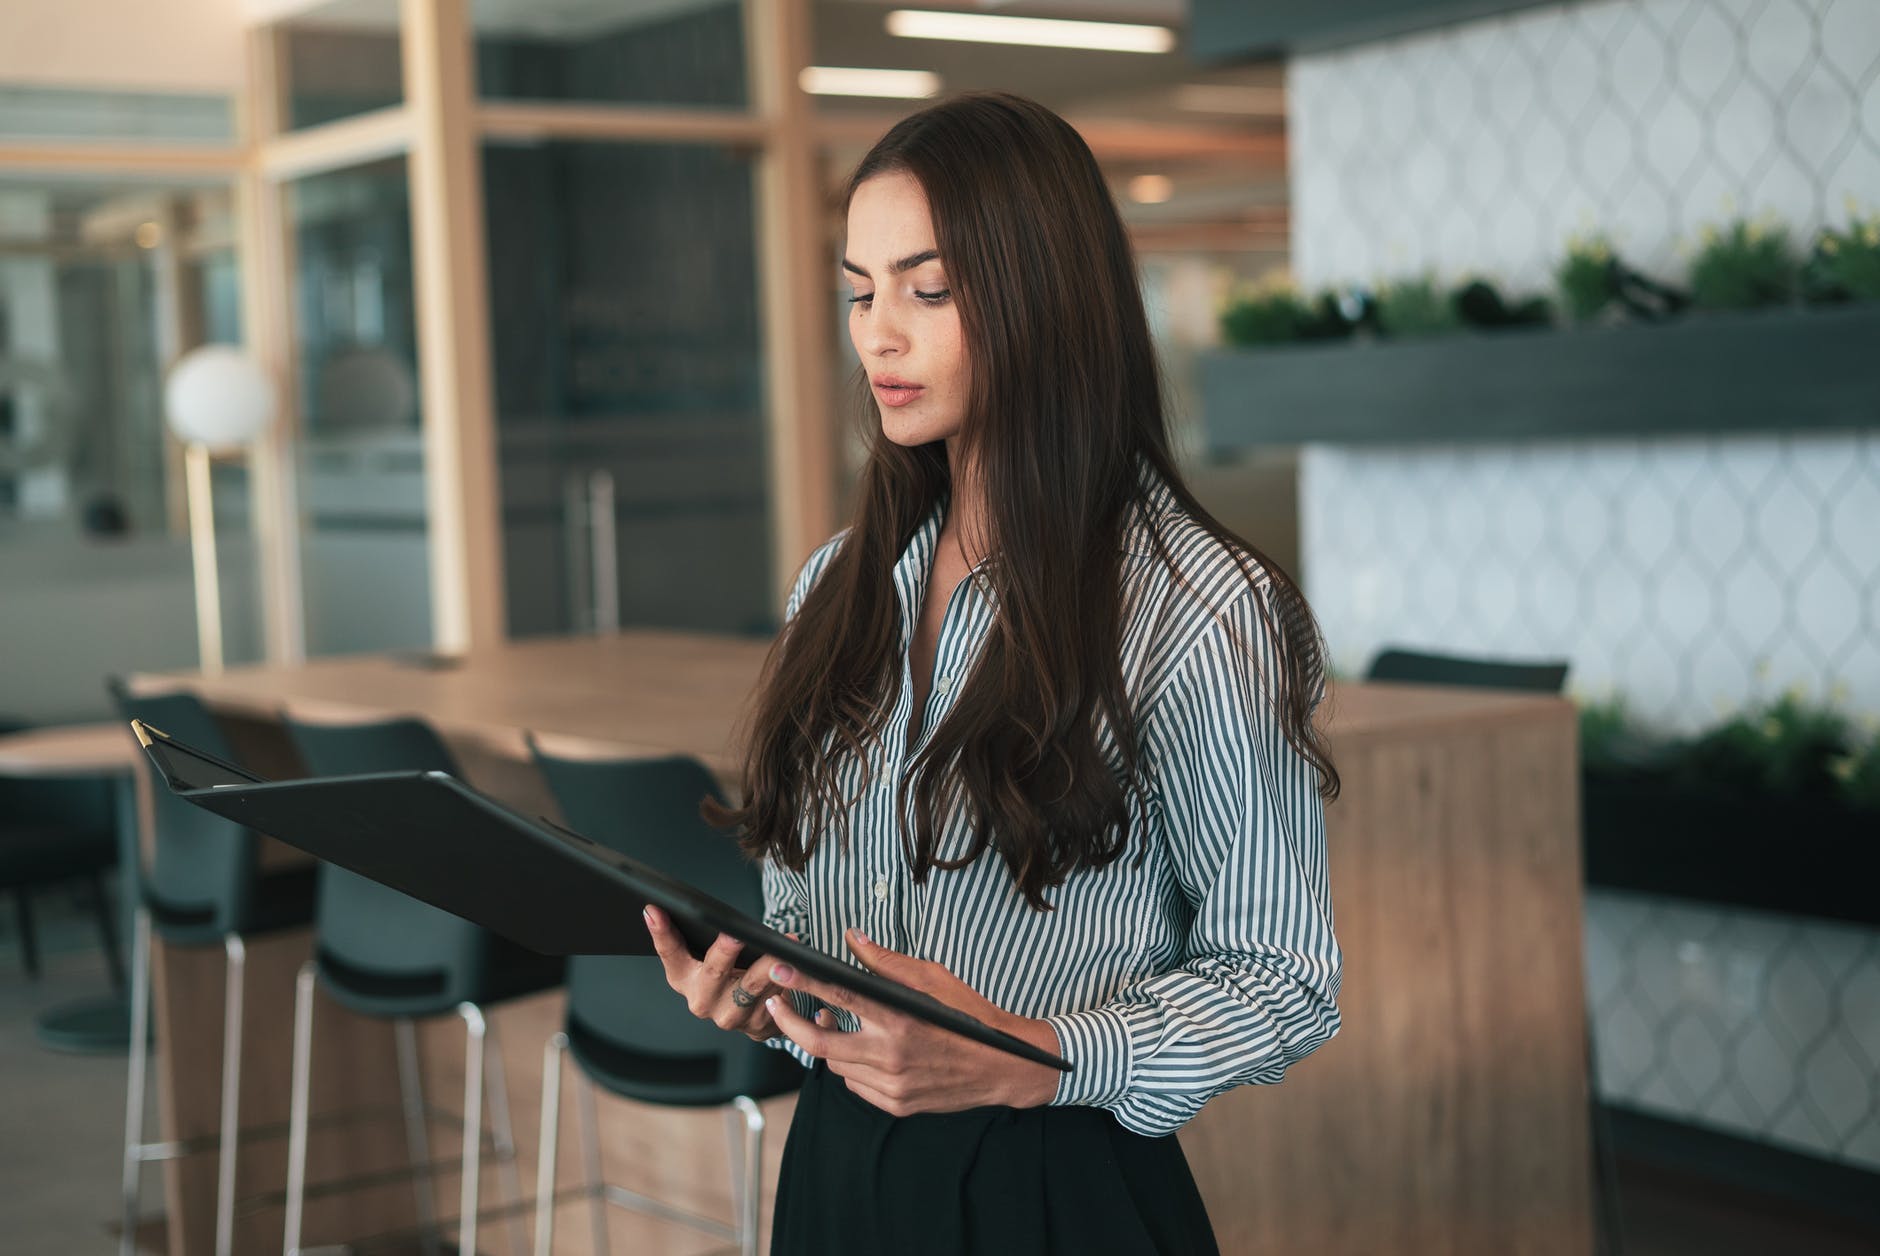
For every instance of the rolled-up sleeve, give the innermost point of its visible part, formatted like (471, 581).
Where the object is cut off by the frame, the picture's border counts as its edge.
(1256, 989)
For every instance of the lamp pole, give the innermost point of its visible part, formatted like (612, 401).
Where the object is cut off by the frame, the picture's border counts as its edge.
(203, 557)
(215, 396)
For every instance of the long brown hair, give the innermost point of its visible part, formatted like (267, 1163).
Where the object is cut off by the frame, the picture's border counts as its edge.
(1065, 403)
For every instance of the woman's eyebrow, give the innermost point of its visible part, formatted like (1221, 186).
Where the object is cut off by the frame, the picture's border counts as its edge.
(907, 263)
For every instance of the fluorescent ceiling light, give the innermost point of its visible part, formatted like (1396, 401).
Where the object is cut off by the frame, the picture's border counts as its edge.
(991, 28)
(1228, 98)
(830, 80)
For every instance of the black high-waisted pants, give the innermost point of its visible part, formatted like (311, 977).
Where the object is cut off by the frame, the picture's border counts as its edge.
(990, 1181)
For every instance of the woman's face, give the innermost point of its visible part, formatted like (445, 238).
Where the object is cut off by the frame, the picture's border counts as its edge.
(902, 318)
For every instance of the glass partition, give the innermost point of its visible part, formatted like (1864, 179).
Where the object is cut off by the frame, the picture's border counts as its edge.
(363, 546)
(102, 285)
(625, 325)
(341, 58)
(621, 52)
(32, 111)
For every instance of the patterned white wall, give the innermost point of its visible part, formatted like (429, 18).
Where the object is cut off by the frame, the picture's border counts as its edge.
(1481, 147)
(1688, 574)
(1763, 1025)
(1691, 575)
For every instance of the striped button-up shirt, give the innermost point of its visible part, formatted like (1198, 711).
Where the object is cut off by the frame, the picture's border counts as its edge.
(1209, 965)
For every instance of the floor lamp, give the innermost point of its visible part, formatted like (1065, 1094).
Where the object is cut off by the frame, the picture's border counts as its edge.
(215, 397)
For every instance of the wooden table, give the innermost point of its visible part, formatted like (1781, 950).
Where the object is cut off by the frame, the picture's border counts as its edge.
(69, 750)
(1448, 1116)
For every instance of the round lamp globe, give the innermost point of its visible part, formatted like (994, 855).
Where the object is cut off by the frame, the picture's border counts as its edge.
(218, 396)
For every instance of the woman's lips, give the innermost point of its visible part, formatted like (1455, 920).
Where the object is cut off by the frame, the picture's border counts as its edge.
(897, 394)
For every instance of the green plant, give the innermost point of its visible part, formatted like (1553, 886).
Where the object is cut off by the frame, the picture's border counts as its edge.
(1268, 311)
(1271, 311)
(1858, 771)
(1784, 746)
(1602, 723)
(1479, 304)
(1610, 735)
(1585, 276)
(1416, 307)
(1746, 265)
(1845, 265)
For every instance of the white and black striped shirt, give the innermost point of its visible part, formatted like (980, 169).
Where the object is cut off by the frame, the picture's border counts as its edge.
(1210, 965)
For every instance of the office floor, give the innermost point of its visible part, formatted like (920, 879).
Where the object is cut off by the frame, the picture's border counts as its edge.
(63, 1117)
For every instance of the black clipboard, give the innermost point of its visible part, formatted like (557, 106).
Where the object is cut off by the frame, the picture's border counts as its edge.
(539, 884)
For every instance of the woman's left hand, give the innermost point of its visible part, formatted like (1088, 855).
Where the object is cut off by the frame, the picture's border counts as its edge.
(902, 1064)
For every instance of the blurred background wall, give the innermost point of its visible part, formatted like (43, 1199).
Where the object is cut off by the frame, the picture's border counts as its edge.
(1691, 575)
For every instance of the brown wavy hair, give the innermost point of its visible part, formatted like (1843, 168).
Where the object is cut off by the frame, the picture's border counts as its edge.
(1065, 403)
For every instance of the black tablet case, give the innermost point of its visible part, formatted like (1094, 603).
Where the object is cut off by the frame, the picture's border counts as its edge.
(539, 884)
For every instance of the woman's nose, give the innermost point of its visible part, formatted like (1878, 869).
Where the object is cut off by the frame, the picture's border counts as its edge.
(883, 334)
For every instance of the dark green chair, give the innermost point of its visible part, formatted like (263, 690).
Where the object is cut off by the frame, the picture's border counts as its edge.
(626, 1029)
(382, 953)
(203, 887)
(55, 832)
(1421, 668)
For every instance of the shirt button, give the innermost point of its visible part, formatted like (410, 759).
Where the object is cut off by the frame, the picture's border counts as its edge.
(881, 888)
(943, 684)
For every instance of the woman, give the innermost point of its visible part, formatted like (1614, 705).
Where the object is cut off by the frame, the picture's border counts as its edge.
(1036, 738)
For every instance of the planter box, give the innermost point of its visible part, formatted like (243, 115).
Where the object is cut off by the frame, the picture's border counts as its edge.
(1798, 855)
(1769, 370)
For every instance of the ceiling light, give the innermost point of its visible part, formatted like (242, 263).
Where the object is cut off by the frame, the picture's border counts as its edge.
(1151, 189)
(989, 28)
(830, 80)
(1228, 98)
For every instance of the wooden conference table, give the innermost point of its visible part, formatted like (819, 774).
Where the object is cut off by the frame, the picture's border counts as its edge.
(1448, 1115)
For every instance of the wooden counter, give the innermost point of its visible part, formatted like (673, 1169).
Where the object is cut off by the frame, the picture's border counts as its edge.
(1448, 1115)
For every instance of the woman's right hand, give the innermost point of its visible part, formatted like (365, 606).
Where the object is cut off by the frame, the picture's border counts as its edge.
(714, 989)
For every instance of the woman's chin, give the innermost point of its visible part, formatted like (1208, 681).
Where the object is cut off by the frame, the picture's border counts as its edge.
(914, 433)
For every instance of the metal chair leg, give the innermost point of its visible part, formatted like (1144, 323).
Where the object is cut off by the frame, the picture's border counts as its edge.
(503, 1136)
(753, 1191)
(231, 1093)
(417, 1135)
(591, 1160)
(474, 1030)
(734, 1145)
(134, 1091)
(297, 1106)
(545, 1155)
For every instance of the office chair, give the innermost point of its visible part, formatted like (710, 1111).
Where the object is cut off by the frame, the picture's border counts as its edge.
(626, 1029)
(384, 954)
(1417, 667)
(204, 887)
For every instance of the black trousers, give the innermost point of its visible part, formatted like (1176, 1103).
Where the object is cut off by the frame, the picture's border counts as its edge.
(989, 1180)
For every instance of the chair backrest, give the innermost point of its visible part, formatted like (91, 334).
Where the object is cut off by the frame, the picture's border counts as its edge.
(1447, 669)
(625, 1024)
(200, 882)
(372, 938)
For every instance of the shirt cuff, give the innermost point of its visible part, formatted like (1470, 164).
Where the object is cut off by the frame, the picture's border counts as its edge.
(1098, 1043)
